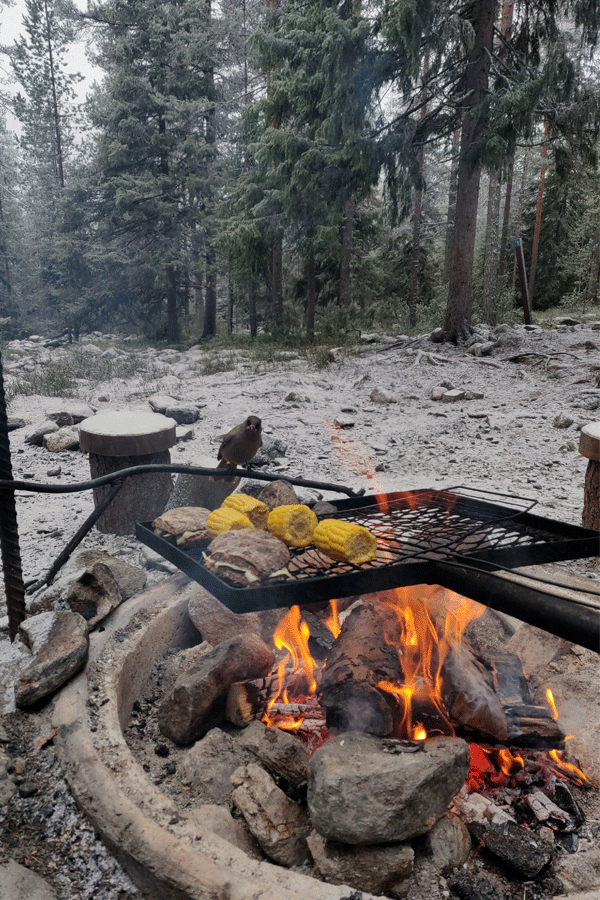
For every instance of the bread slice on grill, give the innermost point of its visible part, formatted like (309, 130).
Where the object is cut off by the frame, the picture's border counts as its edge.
(247, 557)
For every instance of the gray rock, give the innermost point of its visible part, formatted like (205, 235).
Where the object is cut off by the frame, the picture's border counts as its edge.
(196, 703)
(59, 642)
(183, 415)
(94, 594)
(193, 490)
(279, 751)
(473, 395)
(131, 580)
(278, 493)
(15, 422)
(19, 883)
(562, 421)
(39, 431)
(211, 762)
(448, 843)
(271, 449)
(217, 623)
(279, 825)
(379, 395)
(375, 868)
(364, 790)
(159, 402)
(453, 395)
(66, 438)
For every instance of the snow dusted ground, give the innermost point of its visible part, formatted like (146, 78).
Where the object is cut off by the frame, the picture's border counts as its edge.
(517, 435)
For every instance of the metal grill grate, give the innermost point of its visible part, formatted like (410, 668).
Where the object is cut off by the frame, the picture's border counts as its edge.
(413, 530)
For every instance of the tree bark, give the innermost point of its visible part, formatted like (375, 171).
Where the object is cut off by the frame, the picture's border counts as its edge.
(538, 217)
(457, 326)
(490, 268)
(311, 296)
(413, 294)
(277, 280)
(505, 222)
(450, 220)
(210, 295)
(55, 114)
(347, 236)
(252, 304)
(172, 322)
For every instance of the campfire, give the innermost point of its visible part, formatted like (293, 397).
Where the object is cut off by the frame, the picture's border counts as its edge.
(398, 667)
(373, 723)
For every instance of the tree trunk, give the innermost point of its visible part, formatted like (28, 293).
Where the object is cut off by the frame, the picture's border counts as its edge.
(450, 220)
(505, 222)
(55, 114)
(347, 237)
(252, 303)
(520, 212)
(230, 295)
(311, 296)
(417, 207)
(457, 326)
(210, 295)
(172, 323)
(490, 268)
(538, 217)
(277, 280)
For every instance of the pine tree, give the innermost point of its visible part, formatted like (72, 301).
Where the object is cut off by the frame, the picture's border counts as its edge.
(315, 154)
(155, 146)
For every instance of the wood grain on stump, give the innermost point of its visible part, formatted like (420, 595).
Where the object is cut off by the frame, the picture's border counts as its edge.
(589, 446)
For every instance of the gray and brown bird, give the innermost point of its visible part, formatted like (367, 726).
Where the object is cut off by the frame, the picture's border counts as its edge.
(240, 445)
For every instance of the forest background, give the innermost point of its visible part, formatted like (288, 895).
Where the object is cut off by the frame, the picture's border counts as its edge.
(298, 169)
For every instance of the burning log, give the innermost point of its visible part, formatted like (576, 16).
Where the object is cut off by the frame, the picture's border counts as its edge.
(469, 698)
(359, 659)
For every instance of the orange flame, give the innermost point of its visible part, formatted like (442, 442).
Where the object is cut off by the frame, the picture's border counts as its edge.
(332, 621)
(551, 704)
(427, 630)
(292, 635)
(567, 768)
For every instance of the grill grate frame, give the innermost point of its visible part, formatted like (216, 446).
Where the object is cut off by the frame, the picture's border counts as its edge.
(413, 529)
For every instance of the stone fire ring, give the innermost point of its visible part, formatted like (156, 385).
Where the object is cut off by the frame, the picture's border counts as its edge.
(168, 853)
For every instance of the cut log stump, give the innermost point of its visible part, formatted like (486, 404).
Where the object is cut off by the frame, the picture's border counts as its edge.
(589, 446)
(120, 440)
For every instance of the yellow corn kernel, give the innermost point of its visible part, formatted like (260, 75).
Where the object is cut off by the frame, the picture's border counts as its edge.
(292, 523)
(224, 519)
(256, 510)
(345, 541)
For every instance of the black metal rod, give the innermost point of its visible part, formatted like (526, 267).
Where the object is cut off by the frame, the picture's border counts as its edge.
(9, 532)
(77, 538)
(39, 488)
(562, 617)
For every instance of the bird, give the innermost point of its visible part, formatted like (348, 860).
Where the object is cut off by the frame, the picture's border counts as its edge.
(240, 445)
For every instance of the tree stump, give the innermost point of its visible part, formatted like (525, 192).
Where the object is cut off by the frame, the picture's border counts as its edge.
(120, 440)
(589, 446)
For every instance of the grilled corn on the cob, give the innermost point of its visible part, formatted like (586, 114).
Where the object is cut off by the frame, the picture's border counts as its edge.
(226, 519)
(293, 523)
(345, 541)
(256, 510)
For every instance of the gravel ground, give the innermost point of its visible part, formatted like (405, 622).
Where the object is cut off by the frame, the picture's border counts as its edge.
(518, 435)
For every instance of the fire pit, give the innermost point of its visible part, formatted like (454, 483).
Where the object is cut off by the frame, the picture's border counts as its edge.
(170, 849)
